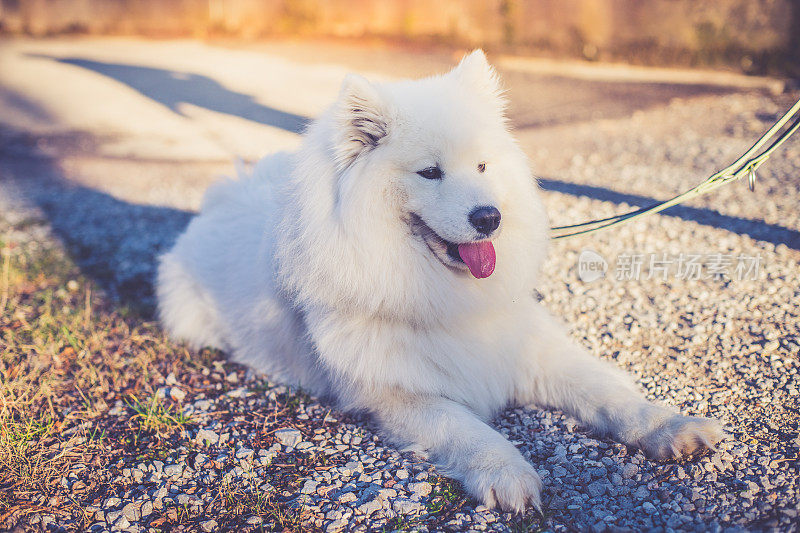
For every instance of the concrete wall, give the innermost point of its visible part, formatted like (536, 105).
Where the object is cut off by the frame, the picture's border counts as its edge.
(751, 35)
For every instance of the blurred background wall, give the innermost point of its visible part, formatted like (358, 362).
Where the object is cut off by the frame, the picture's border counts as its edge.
(755, 36)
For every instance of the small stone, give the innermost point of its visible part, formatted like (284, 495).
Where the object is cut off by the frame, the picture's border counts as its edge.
(132, 512)
(371, 506)
(401, 474)
(173, 470)
(347, 497)
(596, 489)
(244, 453)
(200, 460)
(233, 377)
(325, 489)
(422, 488)
(771, 346)
(336, 526)
(203, 405)
(641, 493)
(406, 506)
(112, 502)
(117, 410)
(648, 508)
(188, 499)
(629, 470)
(355, 466)
(206, 436)
(176, 394)
(309, 487)
(387, 493)
(241, 392)
(208, 525)
(289, 437)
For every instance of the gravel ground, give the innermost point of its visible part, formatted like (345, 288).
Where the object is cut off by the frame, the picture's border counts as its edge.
(713, 346)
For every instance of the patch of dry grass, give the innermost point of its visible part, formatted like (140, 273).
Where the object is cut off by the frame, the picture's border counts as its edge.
(67, 356)
(155, 416)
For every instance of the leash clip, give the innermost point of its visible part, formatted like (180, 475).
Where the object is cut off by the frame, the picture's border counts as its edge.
(751, 180)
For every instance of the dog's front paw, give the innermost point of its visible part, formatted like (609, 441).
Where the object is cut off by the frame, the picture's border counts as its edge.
(681, 435)
(511, 486)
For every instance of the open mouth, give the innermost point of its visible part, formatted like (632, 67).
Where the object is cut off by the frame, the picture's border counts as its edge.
(478, 257)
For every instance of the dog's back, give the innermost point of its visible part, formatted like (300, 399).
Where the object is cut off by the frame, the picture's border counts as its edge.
(216, 287)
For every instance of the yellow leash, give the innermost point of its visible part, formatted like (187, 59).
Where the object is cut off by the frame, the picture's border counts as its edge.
(747, 164)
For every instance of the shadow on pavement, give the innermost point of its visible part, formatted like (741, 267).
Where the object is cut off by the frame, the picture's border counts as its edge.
(171, 88)
(756, 229)
(114, 242)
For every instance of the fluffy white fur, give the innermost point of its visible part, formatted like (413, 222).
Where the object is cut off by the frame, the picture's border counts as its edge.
(317, 271)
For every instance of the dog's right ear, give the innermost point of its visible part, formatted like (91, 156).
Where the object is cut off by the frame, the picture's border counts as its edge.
(475, 71)
(362, 118)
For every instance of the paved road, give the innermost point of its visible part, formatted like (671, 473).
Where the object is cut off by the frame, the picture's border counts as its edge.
(115, 140)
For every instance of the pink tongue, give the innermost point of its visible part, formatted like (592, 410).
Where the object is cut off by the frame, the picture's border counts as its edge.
(479, 257)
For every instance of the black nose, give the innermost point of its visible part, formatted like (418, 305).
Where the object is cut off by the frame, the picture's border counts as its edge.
(485, 219)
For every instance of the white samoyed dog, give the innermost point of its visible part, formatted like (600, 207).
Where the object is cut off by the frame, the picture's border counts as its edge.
(389, 264)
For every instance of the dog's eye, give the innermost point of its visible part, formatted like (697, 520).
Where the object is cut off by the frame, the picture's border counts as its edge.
(431, 173)
(482, 167)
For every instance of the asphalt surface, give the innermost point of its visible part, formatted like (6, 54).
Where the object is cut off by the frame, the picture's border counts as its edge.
(114, 141)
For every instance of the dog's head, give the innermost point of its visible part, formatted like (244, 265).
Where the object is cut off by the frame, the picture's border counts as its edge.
(428, 185)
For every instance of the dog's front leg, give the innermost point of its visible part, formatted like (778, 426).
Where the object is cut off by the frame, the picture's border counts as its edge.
(463, 446)
(564, 376)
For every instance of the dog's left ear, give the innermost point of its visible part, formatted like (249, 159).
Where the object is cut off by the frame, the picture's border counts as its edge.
(475, 71)
(362, 117)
